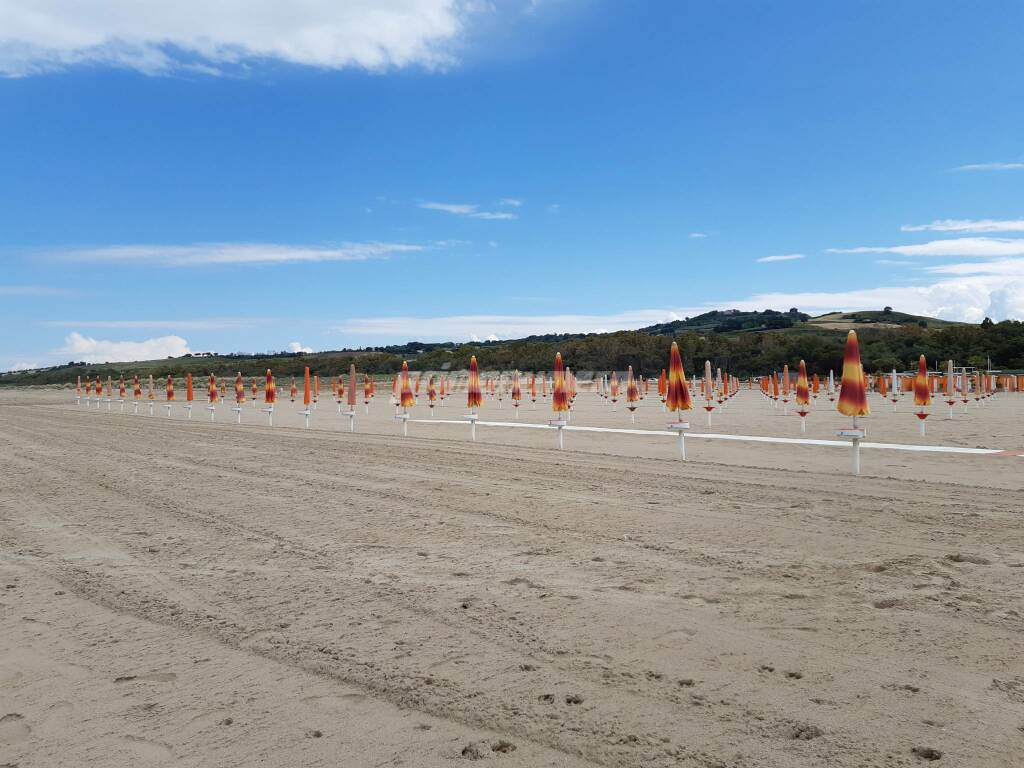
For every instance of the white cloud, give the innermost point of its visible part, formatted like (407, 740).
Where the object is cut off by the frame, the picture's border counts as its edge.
(212, 324)
(968, 292)
(967, 225)
(991, 167)
(512, 202)
(987, 247)
(208, 37)
(23, 365)
(783, 257)
(91, 350)
(294, 346)
(696, 235)
(468, 209)
(236, 253)
(967, 295)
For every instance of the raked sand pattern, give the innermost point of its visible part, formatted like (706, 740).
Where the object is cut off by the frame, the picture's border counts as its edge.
(191, 593)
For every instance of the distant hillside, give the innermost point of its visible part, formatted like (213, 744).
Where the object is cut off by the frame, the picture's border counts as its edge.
(745, 343)
(844, 321)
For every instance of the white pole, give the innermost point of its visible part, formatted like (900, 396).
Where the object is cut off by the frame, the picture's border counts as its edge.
(856, 455)
(682, 445)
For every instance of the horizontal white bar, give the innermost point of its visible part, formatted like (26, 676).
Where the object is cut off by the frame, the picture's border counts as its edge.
(739, 438)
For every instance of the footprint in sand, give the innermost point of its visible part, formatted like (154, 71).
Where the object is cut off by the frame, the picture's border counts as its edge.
(13, 729)
(150, 751)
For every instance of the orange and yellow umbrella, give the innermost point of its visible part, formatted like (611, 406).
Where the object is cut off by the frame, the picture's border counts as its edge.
(136, 388)
(170, 389)
(922, 392)
(407, 400)
(517, 390)
(239, 389)
(560, 398)
(853, 396)
(632, 392)
(353, 383)
(306, 393)
(270, 389)
(677, 395)
(803, 394)
(474, 395)
(214, 393)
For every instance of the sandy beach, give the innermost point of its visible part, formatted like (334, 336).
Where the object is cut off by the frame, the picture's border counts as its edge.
(192, 593)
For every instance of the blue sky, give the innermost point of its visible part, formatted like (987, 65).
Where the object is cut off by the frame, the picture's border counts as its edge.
(437, 169)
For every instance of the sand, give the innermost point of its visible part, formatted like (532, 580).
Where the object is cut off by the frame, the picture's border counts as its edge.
(197, 594)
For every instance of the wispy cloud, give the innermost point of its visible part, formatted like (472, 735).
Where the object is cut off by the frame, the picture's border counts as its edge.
(209, 324)
(967, 225)
(91, 350)
(511, 202)
(990, 167)
(783, 257)
(697, 235)
(466, 327)
(468, 209)
(217, 37)
(29, 290)
(985, 247)
(236, 253)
